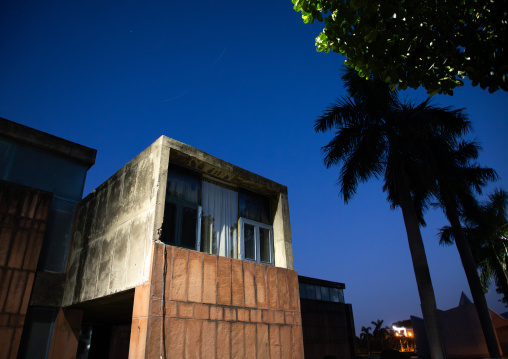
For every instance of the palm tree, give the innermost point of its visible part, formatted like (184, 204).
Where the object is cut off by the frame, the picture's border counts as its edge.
(379, 332)
(457, 177)
(365, 334)
(377, 136)
(486, 230)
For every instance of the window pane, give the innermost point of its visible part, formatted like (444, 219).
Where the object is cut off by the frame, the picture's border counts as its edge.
(249, 241)
(311, 291)
(37, 332)
(341, 296)
(189, 227)
(325, 294)
(318, 292)
(303, 291)
(264, 244)
(183, 184)
(255, 207)
(334, 295)
(57, 238)
(169, 224)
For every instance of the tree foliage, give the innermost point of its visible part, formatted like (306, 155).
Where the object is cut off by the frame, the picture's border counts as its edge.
(413, 43)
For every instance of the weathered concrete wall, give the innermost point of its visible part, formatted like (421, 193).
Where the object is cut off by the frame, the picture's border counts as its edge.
(111, 244)
(204, 306)
(23, 217)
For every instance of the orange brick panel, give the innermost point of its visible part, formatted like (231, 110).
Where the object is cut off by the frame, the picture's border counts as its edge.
(282, 286)
(171, 309)
(271, 279)
(137, 342)
(274, 342)
(201, 311)
(192, 339)
(157, 269)
(285, 342)
(224, 281)
(255, 315)
(16, 320)
(262, 341)
(4, 319)
(175, 330)
(5, 280)
(294, 293)
(209, 279)
(6, 235)
(296, 332)
(18, 249)
(229, 314)
(249, 283)
(16, 340)
(216, 313)
(156, 308)
(179, 282)
(250, 341)
(243, 315)
(261, 285)
(268, 316)
(237, 341)
(141, 301)
(6, 336)
(27, 293)
(185, 310)
(289, 318)
(153, 340)
(16, 291)
(223, 340)
(33, 250)
(195, 276)
(237, 279)
(208, 340)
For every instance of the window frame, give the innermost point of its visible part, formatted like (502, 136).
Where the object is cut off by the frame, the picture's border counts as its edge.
(242, 221)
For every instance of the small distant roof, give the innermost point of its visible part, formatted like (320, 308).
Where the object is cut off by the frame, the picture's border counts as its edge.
(45, 141)
(464, 300)
(321, 282)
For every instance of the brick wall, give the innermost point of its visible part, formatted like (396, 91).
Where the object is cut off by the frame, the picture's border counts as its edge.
(23, 215)
(204, 306)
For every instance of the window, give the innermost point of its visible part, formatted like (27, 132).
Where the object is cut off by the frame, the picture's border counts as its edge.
(182, 212)
(319, 292)
(256, 241)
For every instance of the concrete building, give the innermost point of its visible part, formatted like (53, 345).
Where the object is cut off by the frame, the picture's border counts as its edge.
(41, 182)
(182, 254)
(327, 321)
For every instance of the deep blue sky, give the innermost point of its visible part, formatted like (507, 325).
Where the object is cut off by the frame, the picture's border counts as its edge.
(243, 82)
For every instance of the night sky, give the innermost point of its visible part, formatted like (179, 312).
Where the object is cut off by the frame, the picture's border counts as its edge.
(241, 81)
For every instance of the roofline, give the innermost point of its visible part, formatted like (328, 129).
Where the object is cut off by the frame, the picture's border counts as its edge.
(45, 141)
(322, 282)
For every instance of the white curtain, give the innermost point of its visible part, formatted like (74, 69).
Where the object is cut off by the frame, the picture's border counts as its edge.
(220, 221)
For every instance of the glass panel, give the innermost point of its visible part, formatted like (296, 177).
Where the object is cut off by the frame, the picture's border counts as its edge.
(169, 223)
(255, 207)
(341, 296)
(264, 244)
(36, 333)
(48, 172)
(318, 292)
(325, 294)
(303, 291)
(249, 241)
(234, 242)
(58, 234)
(334, 295)
(311, 291)
(189, 227)
(183, 184)
(5, 155)
(208, 236)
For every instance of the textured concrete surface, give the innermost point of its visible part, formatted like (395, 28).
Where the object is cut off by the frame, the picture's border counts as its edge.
(111, 245)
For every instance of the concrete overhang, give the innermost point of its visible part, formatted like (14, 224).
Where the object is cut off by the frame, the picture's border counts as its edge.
(47, 142)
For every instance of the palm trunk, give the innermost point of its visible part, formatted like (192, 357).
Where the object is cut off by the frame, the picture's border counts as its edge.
(502, 279)
(422, 274)
(474, 281)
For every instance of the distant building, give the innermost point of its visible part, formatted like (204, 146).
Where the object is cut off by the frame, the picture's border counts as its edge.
(327, 321)
(461, 332)
(41, 182)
